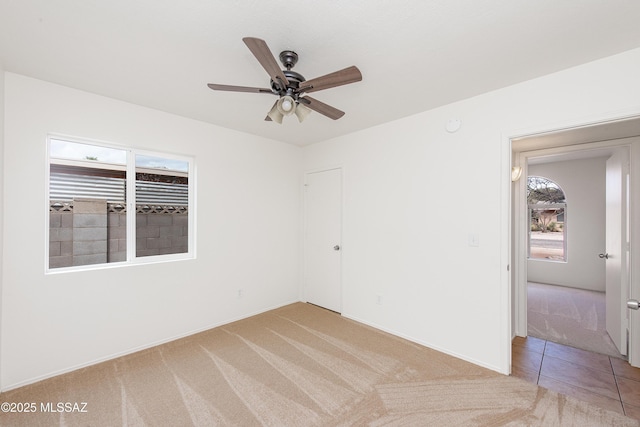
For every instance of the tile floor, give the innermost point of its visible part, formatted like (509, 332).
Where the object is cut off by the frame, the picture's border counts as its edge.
(605, 381)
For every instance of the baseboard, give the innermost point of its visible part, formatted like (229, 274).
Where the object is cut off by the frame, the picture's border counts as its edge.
(139, 348)
(425, 344)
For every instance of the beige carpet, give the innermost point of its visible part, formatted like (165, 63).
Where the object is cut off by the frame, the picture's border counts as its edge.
(573, 317)
(299, 365)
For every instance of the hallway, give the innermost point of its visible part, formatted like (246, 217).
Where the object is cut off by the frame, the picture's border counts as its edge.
(605, 381)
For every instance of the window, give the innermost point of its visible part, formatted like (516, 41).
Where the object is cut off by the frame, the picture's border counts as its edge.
(114, 205)
(547, 220)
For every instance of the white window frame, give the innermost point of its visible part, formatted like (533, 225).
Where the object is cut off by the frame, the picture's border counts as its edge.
(131, 257)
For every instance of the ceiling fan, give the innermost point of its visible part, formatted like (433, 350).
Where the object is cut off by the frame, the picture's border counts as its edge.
(290, 86)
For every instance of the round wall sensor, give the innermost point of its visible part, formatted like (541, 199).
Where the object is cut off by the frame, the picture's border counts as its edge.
(453, 125)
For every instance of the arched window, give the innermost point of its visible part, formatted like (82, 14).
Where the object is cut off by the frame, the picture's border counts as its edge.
(547, 220)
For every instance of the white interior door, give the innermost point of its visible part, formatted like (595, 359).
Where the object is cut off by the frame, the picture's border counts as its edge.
(322, 239)
(616, 254)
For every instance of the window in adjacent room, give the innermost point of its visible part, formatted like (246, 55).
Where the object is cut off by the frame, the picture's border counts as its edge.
(547, 220)
(116, 205)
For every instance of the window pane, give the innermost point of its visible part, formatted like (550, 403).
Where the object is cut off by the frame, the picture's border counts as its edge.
(547, 236)
(547, 224)
(87, 204)
(59, 149)
(162, 199)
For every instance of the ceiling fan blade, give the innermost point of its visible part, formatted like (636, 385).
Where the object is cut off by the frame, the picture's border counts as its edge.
(337, 78)
(321, 107)
(264, 56)
(231, 88)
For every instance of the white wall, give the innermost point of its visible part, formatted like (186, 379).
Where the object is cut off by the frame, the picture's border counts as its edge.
(584, 186)
(413, 194)
(1, 201)
(248, 215)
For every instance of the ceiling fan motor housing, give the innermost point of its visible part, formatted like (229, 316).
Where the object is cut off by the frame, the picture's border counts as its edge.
(289, 59)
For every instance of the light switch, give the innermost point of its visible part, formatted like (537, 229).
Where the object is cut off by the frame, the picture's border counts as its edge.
(474, 239)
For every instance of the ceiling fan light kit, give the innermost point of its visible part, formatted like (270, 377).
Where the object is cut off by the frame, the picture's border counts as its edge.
(302, 112)
(274, 114)
(286, 105)
(290, 86)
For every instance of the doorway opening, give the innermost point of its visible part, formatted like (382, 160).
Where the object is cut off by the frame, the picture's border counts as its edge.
(566, 286)
(563, 146)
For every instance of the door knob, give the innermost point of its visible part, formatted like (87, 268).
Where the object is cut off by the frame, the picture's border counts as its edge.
(336, 248)
(633, 304)
(605, 256)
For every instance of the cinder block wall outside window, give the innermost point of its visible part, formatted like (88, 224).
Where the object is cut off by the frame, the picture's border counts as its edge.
(70, 234)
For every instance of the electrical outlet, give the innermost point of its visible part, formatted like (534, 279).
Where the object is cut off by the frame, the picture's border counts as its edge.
(240, 293)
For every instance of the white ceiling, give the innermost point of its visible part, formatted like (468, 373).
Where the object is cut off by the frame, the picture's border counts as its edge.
(414, 55)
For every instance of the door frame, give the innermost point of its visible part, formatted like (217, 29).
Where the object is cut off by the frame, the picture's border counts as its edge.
(516, 234)
(303, 281)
